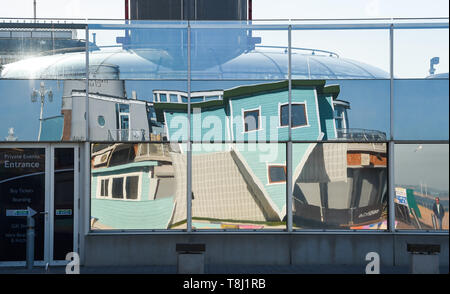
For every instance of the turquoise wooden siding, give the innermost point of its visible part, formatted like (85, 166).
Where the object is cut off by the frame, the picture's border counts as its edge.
(312, 131)
(327, 117)
(206, 124)
(269, 123)
(258, 157)
(209, 124)
(129, 215)
(177, 125)
(117, 171)
(270, 113)
(299, 151)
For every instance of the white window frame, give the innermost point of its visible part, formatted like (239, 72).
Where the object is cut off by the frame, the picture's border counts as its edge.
(342, 117)
(99, 189)
(124, 176)
(294, 103)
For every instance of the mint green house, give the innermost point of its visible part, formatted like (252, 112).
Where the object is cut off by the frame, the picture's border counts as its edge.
(132, 187)
(252, 113)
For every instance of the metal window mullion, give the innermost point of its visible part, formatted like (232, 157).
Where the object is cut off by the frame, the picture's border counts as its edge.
(87, 85)
(391, 169)
(289, 179)
(189, 146)
(87, 155)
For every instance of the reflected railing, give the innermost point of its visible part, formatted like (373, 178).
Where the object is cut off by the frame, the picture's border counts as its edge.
(360, 135)
(126, 135)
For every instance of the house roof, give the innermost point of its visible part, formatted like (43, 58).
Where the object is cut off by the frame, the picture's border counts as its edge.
(246, 91)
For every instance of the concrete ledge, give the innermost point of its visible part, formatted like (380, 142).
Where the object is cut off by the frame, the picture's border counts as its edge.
(191, 263)
(258, 250)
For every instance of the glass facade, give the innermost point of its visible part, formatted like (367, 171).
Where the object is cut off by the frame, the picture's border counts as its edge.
(242, 125)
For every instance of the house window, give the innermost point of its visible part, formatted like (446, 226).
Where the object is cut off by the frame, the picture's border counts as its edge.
(339, 116)
(101, 120)
(120, 157)
(104, 188)
(162, 98)
(251, 120)
(277, 174)
(196, 99)
(131, 187)
(126, 187)
(123, 108)
(173, 98)
(298, 115)
(117, 188)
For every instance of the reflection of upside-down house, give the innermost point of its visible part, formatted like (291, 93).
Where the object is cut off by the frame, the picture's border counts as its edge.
(338, 184)
(133, 186)
(143, 185)
(342, 185)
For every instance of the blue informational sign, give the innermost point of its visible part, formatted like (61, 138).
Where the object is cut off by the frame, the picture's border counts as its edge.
(64, 212)
(401, 196)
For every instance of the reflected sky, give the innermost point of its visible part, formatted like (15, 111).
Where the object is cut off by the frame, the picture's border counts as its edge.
(426, 164)
(18, 112)
(421, 109)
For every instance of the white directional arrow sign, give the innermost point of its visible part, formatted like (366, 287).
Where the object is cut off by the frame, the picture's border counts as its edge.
(31, 212)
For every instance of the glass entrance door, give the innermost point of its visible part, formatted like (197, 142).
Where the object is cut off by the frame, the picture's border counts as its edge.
(45, 178)
(63, 204)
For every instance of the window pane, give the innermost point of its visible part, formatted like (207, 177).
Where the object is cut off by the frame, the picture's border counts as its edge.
(234, 50)
(196, 99)
(284, 115)
(162, 97)
(220, 119)
(117, 188)
(120, 155)
(173, 98)
(251, 120)
(421, 53)
(231, 187)
(131, 187)
(298, 115)
(124, 108)
(154, 182)
(138, 51)
(277, 174)
(340, 54)
(421, 180)
(421, 109)
(20, 116)
(340, 186)
(103, 188)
